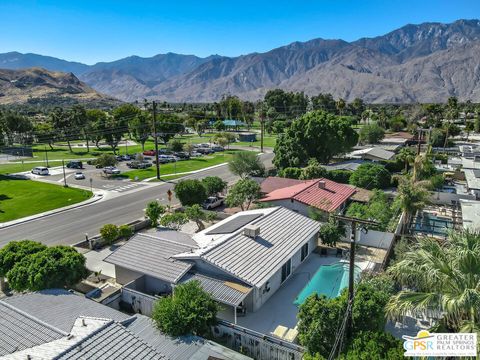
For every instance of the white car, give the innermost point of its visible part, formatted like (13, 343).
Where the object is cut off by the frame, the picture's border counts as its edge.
(79, 176)
(40, 170)
(111, 170)
(212, 202)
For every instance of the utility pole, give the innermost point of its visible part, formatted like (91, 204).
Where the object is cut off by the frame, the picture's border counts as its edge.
(46, 155)
(351, 271)
(64, 177)
(418, 142)
(155, 136)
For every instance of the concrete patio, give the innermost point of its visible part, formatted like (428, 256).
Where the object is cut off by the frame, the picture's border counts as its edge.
(280, 309)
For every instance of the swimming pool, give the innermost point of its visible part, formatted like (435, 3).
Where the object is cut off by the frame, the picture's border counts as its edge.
(329, 280)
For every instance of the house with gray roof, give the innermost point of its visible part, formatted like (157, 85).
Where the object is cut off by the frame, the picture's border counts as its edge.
(57, 324)
(241, 261)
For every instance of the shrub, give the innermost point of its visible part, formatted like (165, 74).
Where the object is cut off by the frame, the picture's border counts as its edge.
(213, 185)
(190, 192)
(125, 231)
(290, 173)
(371, 176)
(190, 311)
(246, 163)
(109, 233)
(105, 160)
(371, 134)
(175, 145)
(341, 176)
(153, 212)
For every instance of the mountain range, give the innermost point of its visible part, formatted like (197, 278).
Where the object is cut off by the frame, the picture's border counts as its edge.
(416, 63)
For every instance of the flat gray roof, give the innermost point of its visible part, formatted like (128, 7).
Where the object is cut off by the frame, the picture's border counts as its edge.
(254, 261)
(226, 292)
(152, 255)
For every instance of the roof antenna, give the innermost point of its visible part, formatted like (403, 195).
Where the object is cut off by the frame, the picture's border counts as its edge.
(84, 323)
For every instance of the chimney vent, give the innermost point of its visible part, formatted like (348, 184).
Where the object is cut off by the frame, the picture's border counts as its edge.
(252, 231)
(321, 184)
(84, 323)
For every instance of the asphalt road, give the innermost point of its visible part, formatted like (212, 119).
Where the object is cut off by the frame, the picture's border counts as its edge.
(70, 226)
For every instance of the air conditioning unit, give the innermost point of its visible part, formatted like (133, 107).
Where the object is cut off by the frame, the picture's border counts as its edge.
(252, 231)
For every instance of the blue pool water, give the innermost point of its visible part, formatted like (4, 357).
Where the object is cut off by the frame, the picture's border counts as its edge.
(329, 280)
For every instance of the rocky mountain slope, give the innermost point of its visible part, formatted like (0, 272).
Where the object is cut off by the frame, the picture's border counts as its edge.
(36, 85)
(425, 63)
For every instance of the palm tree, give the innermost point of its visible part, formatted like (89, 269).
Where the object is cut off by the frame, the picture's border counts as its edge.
(407, 156)
(443, 278)
(412, 196)
(340, 105)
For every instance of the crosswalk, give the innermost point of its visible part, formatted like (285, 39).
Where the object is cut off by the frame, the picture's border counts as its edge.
(122, 187)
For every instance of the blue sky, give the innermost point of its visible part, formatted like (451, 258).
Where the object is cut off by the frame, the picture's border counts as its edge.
(95, 30)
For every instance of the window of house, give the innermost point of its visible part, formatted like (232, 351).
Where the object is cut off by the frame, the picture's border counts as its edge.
(304, 252)
(286, 269)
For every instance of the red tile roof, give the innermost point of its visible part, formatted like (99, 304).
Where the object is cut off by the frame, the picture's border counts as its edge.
(272, 183)
(329, 198)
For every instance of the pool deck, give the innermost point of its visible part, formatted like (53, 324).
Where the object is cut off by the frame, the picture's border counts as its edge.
(279, 309)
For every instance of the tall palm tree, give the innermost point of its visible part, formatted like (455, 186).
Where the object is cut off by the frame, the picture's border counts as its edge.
(412, 196)
(407, 156)
(443, 278)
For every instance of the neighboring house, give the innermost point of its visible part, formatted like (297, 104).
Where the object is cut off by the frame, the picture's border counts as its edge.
(473, 181)
(241, 261)
(349, 165)
(470, 214)
(372, 154)
(322, 194)
(56, 324)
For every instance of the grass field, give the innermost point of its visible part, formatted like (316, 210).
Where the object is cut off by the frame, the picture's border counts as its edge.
(181, 166)
(20, 198)
(26, 166)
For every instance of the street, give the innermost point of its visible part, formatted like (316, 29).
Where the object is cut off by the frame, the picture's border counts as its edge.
(70, 226)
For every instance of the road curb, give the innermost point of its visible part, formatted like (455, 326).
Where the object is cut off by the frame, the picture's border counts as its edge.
(185, 173)
(94, 199)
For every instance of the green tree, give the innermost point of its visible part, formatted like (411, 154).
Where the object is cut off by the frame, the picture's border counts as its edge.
(319, 316)
(469, 127)
(125, 231)
(105, 160)
(109, 233)
(371, 176)
(213, 185)
(190, 310)
(407, 156)
(173, 220)
(374, 345)
(331, 232)
(169, 125)
(219, 125)
(55, 267)
(140, 126)
(117, 124)
(243, 193)
(290, 173)
(96, 125)
(175, 145)
(378, 209)
(246, 163)
(313, 171)
(371, 134)
(60, 120)
(197, 214)
(305, 139)
(190, 192)
(15, 251)
(153, 212)
(441, 278)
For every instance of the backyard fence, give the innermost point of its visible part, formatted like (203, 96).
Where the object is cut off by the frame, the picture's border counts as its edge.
(140, 302)
(256, 345)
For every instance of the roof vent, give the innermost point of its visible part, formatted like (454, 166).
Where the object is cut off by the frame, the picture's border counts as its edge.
(84, 323)
(252, 231)
(322, 184)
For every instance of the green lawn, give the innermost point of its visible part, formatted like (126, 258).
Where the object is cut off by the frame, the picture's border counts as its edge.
(181, 166)
(26, 166)
(268, 141)
(20, 198)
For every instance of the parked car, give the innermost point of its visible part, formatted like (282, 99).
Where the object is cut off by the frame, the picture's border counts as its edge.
(138, 165)
(195, 154)
(119, 157)
(75, 164)
(182, 155)
(111, 170)
(213, 202)
(40, 170)
(162, 159)
(79, 175)
(149, 152)
(217, 148)
(205, 150)
(126, 157)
